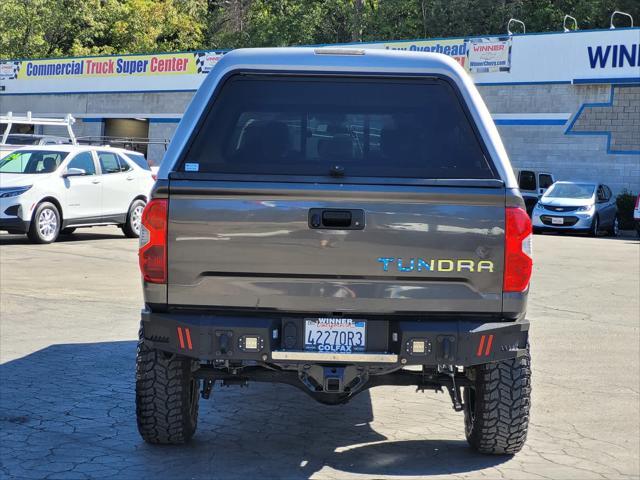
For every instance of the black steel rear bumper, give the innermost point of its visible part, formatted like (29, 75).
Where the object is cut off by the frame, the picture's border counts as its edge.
(279, 340)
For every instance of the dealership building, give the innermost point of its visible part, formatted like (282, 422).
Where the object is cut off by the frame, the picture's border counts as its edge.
(564, 103)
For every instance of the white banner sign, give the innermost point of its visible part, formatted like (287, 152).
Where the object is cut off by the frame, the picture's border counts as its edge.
(489, 55)
(586, 56)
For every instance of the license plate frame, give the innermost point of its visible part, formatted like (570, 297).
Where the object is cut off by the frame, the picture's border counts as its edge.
(335, 335)
(557, 220)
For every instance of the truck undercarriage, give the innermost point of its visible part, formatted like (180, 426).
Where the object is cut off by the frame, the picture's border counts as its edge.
(334, 384)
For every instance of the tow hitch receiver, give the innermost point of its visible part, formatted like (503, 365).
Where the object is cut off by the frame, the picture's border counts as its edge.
(332, 379)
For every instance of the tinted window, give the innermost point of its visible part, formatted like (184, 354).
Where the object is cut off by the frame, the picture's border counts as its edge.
(124, 165)
(527, 180)
(570, 190)
(83, 161)
(139, 160)
(32, 161)
(545, 180)
(109, 162)
(607, 192)
(368, 127)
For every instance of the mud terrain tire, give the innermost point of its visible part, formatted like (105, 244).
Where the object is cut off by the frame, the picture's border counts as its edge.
(167, 396)
(496, 409)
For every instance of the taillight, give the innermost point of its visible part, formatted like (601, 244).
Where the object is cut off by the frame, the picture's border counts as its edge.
(637, 202)
(154, 176)
(153, 242)
(518, 263)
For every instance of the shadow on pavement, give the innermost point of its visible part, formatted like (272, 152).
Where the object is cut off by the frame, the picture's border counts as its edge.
(67, 411)
(78, 236)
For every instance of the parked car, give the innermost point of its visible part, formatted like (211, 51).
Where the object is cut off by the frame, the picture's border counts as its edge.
(326, 229)
(54, 189)
(142, 162)
(578, 207)
(532, 185)
(636, 215)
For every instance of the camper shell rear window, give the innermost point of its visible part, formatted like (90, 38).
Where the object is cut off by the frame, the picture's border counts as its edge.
(411, 128)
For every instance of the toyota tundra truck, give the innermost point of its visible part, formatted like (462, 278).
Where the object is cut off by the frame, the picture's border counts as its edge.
(336, 219)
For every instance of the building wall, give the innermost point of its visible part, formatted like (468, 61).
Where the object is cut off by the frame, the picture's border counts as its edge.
(159, 130)
(90, 109)
(598, 138)
(600, 141)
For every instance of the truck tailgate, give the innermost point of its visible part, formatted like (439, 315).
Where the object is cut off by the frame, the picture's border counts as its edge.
(250, 245)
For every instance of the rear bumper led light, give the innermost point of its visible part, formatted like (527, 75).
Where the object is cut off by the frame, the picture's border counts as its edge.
(251, 343)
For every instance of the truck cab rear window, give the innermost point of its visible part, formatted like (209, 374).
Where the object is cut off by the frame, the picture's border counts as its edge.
(398, 128)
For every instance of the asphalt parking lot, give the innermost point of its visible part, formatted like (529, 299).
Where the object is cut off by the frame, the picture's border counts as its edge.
(68, 323)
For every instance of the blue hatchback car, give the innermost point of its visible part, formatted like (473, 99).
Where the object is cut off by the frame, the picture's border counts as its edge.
(577, 206)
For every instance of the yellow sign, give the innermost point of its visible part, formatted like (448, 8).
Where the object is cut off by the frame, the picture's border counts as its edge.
(110, 66)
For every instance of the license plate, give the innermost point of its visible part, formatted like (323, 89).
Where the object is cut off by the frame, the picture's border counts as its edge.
(557, 220)
(340, 335)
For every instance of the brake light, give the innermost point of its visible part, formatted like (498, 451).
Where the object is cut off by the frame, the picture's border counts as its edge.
(152, 254)
(154, 176)
(637, 202)
(518, 263)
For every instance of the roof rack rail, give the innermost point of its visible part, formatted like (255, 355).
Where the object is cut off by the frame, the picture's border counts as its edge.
(104, 140)
(11, 119)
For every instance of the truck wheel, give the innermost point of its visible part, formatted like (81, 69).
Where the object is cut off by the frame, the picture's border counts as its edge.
(45, 225)
(496, 409)
(167, 396)
(131, 229)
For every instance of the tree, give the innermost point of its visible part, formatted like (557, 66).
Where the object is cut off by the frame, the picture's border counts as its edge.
(46, 28)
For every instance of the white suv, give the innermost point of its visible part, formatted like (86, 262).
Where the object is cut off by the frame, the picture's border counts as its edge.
(50, 190)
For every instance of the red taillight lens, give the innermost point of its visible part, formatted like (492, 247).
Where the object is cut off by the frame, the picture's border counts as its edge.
(637, 202)
(153, 242)
(154, 176)
(518, 264)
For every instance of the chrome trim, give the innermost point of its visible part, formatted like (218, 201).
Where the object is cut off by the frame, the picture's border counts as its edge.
(335, 357)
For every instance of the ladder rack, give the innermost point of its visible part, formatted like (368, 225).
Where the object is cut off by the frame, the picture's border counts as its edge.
(11, 119)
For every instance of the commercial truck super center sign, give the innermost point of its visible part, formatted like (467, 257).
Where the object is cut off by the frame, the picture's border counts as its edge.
(163, 71)
(594, 56)
(161, 64)
(109, 66)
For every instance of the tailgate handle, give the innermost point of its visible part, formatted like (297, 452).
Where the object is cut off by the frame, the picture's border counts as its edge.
(336, 219)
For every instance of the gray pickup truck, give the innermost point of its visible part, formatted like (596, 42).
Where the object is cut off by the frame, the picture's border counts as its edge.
(336, 219)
